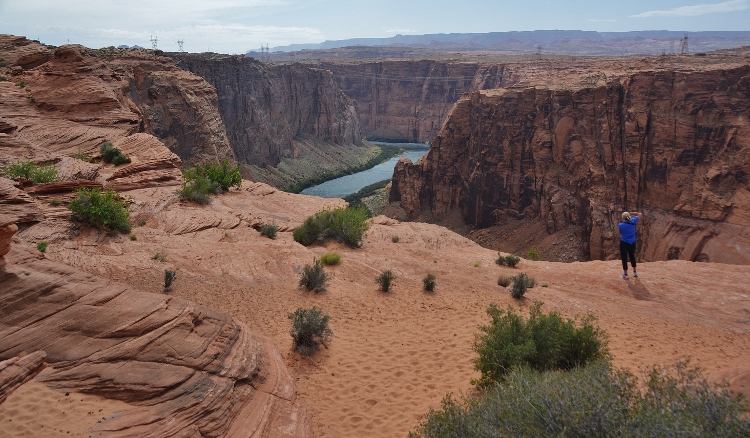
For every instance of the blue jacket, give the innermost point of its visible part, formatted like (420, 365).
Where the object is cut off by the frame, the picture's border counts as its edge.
(627, 230)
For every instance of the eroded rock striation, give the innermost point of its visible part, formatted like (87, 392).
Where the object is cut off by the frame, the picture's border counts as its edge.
(187, 370)
(673, 144)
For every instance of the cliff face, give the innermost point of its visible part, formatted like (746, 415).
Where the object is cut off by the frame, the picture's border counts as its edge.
(675, 145)
(89, 96)
(409, 100)
(266, 107)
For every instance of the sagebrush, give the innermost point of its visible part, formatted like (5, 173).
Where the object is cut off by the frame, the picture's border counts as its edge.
(510, 260)
(206, 179)
(520, 285)
(384, 280)
(169, 277)
(104, 210)
(429, 282)
(269, 230)
(309, 328)
(314, 277)
(347, 225)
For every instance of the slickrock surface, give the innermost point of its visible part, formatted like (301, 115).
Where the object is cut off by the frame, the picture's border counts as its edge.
(674, 144)
(16, 371)
(184, 369)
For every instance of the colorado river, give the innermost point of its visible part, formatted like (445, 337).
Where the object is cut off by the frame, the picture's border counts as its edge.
(346, 185)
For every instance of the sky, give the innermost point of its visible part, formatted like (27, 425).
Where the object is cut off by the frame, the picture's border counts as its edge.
(236, 26)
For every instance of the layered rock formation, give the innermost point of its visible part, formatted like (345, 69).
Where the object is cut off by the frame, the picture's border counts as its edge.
(673, 144)
(187, 370)
(265, 108)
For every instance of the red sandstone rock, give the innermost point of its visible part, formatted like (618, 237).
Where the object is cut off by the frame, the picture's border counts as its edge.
(675, 145)
(16, 371)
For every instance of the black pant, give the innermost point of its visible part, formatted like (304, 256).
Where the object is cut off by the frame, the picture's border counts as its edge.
(627, 250)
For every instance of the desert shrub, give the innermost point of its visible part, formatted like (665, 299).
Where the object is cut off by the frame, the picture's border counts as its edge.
(530, 282)
(3, 63)
(347, 225)
(198, 190)
(222, 173)
(429, 282)
(3, 78)
(169, 277)
(141, 222)
(269, 230)
(510, 260)
(520, 285)
(42, 246)
(384, 280)
(504, 280)
(395, 239)
(314, 277)
(477, 264)
(161, 257)
(83, 156)
(133, 237)
(532, 254)
(544, 341)
(331, 258)
(21, 83)
(104, 210)
(309, 328)
(39, 174)
(593, 401)
(112, 155)
(55, 202)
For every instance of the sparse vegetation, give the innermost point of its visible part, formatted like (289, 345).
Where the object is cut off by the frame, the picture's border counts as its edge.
(384, 280)
(169, 277)
(3, 78)
(313, 277)
(141, 222)
(395, 239)
(161, 257)
(269, 230)
(429, 282)
(510, 260)
(477, 264)
(594, 401)
(347, 225)
(104, 210)
(202, 181)
(112, 155)
(42, 246)
(309, 328)
(504, 280)
(520, 285)
(133, 238)
(83, 156)
(545, 285)
(532, 254)
(38, 174)
(331, 258)
(55, 202)
(21, 84)
(543, 342)
(355, 199)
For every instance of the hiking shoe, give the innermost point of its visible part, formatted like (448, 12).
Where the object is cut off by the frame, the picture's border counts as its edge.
(625, 277)
(635, 274)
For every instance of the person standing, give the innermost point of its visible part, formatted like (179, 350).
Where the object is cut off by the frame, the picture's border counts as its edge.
(627, 242)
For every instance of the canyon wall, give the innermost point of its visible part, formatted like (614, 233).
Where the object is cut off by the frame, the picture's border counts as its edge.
(675, 145)
(409, 100)
(265, 107)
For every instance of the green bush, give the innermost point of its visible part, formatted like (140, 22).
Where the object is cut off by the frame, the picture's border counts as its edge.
(83, 156)
(347, 225)
(509, 260)
(331, 258)
(198, 190)
(429, 282)
(55, 202)
(112, 155)
(159, 257)
(593, 401)
(544, 341)
(309, 328)
(38, 174)
(532, 254)
(222, 173)
(395, 239)
(384, 280)
(269, 230)
(520, 285)
(314, 277)
(42, 246)
(104, 210)
(504, 280)
(133, 237)
(169, 277)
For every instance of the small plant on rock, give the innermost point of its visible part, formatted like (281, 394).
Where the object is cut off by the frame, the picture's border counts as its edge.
(510, 260)
(532, 254)
(55, 202)
(42, 246)
(331, 258)
(395, 239)
(313, 277)
(105, 210)
(429, 282)
(520, 285)
(169, 277)
(37, 173)
(504, 280)
(159, 257)
(112, 155)
(309, 328)
(269, 230)
(384, 280)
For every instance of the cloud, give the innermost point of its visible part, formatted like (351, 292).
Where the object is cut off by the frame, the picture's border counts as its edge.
(601, 21)
(697, 10)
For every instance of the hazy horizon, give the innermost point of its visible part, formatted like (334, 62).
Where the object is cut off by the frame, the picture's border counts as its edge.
(236, 26)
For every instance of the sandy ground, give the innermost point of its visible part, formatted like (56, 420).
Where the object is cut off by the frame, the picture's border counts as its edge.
(395, 355)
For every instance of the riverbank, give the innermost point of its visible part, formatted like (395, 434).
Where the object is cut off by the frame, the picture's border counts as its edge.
(374, 197)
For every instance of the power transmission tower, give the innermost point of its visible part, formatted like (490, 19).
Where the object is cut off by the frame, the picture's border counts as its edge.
(179, 44)
(684, 45)
(154, 40)
(539, 52)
